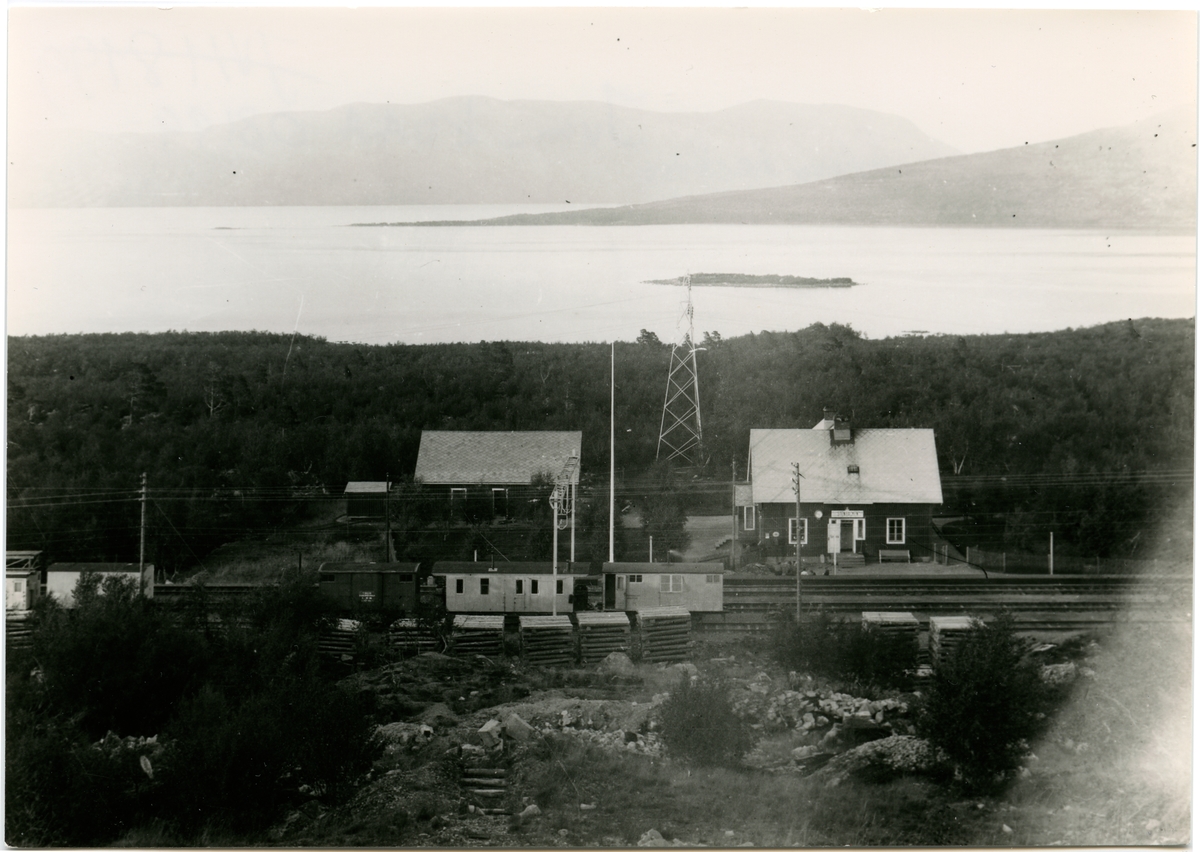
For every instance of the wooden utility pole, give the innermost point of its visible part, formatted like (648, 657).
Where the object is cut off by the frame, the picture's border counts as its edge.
(1052, 554)
(733, 539)
(142, 542)
(799, 538)
(387, 516)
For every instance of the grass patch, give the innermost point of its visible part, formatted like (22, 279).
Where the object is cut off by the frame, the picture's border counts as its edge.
(634, 794)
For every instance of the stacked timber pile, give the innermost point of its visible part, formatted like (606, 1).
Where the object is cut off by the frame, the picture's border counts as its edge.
(340, 641)
(410, 637)
(895, 624)
(478, 634)
(488, 787)
(602, 633)
(665, 633)
(946, 631)
(17, 633)
(547, 640)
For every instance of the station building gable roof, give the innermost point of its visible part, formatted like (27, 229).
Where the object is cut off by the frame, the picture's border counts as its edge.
(494, 458)
(877, 466)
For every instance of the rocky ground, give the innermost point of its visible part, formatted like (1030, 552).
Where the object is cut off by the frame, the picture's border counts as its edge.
(485, 753)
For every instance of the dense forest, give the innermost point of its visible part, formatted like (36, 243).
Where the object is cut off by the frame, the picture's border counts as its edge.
(1087, 431)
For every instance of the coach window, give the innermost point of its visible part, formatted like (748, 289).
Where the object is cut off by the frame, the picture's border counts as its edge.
(533, 587)
(483, 585)
(670, 583)
(558, 587)
(458, 586)
(520, 587)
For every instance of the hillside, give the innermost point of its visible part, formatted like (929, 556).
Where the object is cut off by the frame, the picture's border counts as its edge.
(1088, 429)
(1138, 176)
(469, 150)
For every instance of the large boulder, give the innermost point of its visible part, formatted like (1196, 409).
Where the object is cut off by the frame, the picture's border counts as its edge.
(516, 728)
(1060, 674)
(439, 717)
(884, 759)
(489, 734)
(652, 838)
(617, 664)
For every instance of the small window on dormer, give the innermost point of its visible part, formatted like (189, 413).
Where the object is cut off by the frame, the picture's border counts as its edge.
(853, 468)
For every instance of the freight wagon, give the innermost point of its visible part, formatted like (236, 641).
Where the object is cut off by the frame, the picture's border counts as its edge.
(355, 586)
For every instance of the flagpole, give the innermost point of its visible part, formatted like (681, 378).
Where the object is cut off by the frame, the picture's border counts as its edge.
(612, 443)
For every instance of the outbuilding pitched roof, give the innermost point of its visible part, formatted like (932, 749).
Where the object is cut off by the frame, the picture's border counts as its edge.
(366, 488)
(894, 466)
(494, 458)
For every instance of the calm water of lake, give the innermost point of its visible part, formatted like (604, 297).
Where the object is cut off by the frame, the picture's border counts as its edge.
(285, 268)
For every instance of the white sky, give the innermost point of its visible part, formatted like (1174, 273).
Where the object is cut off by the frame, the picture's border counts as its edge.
(975, 79)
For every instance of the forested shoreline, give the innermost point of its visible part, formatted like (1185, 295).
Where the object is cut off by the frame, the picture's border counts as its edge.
(1087, 429)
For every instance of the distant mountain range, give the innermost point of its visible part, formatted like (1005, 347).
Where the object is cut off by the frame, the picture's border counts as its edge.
(1139, 176)
(469, 150)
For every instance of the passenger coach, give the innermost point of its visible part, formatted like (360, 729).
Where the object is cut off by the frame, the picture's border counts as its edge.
(519, 587)
(633, 586)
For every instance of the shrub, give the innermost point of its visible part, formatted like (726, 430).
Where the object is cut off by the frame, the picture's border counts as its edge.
(984, 702)
(842, 649)
(697, 722)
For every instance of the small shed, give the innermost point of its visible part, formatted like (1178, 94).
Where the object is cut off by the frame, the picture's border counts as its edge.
(370, 585)
(366, 500)
(518, 587)
(633, 586)
(62, 577)
(22, 588)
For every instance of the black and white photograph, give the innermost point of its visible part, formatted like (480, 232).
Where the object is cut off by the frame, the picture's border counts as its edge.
(616, 426)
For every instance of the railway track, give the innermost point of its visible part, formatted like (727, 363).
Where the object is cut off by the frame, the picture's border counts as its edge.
(1038, 604)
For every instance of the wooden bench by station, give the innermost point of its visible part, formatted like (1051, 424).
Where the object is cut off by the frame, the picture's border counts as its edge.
(894, 556)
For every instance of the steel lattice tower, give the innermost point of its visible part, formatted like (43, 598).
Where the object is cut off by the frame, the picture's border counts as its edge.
(680, 434)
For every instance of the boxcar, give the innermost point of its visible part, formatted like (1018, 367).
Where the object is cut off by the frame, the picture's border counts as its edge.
(633, 586)
(519, 587)
(370, 585)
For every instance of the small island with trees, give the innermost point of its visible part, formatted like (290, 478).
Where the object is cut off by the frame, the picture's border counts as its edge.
(740, 279)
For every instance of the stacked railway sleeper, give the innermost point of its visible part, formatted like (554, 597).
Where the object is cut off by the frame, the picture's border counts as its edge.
(481, 635)
(664, 634)
(486, 788)
(547, 640)
(601, 634)
(660, 634)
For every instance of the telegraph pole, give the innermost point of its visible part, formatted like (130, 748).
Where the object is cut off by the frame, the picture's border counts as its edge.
(387, 517)
(142, 542)
(733, 539)
(796, 487)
